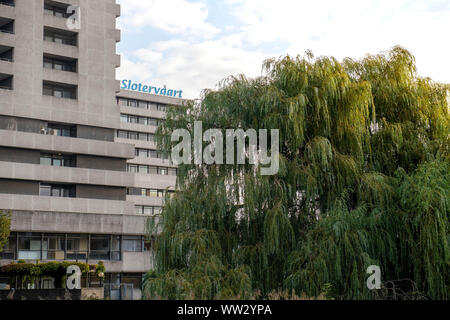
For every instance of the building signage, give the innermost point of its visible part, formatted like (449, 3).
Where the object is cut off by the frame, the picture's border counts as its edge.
(135, 86)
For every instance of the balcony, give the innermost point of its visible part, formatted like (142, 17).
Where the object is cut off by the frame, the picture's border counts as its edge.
(6, 81)
(6, 25)
(6, 53)
(16, 139)
(10, 3)
(59, 90)
(60, 36)
(56, 9)
(54, 174)
(53, 205)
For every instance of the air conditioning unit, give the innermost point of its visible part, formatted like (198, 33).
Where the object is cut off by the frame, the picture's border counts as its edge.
(43, 131)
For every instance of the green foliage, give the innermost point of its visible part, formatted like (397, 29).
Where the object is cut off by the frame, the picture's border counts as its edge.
(5, 225)
(363, 180)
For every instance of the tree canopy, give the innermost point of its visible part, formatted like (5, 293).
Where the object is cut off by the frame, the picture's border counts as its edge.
(363, 180)
(5, 225)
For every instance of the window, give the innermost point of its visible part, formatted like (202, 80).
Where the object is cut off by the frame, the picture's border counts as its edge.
(60, 130)
(59, 90)
(143, 169)
(132, 244)
(132, 135)
(55, 244)
(6, 53)
(7, 25)
(61, 246)
(132, 278)
(148, 210)
(60, 64)
(9, 250)
(57, 11)
(58, 160)
(6, 81)
(155, 193)
(62, 191)
(122, 134)
(99, 247)
(162, 107)
(29, 246)
(77, 246)
(143, 104)
(60, 36)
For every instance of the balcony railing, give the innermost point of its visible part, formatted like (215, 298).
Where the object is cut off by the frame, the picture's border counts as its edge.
(7, 31)
(7, 59)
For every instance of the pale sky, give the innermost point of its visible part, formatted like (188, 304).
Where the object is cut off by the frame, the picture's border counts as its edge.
(192, 45)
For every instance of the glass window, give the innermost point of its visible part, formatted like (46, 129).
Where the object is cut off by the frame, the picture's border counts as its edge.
(153, 170)
(132, 103)
(143, 153)
(46, 160)
(148, 210)
(143, 136)
(153, 193)
(124, 118)
(132, 244)
(162, 107)
(143, 104)
(143, 169)
(132, 135)
(132, 119)
(122, 134)
(132, 278)
(45, 190)
(99, 243)
(153, 154)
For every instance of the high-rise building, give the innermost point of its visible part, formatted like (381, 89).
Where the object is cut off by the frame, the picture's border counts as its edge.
(155, 174)
(69, 172)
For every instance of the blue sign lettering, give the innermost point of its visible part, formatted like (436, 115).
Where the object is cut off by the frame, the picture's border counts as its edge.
(130, 85)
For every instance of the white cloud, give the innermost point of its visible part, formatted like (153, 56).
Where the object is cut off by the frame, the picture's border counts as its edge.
(192, 67)
(198, 55)
(174, 16)
(352, 28)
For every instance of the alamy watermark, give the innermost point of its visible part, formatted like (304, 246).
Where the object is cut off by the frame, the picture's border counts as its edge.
(73, 21)
(374, 281)
(256, 152)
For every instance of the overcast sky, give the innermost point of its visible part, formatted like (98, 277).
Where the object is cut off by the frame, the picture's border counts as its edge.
(192, 45)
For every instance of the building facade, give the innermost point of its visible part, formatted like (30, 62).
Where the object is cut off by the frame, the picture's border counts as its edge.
(77, 187)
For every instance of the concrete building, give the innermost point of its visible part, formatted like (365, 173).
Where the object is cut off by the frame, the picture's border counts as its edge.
(154, 173)
(68, 173)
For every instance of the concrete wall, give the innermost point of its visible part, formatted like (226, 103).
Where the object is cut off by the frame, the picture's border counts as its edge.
(61, 222)
(66, 145)
(19, 155)
(53, 174)
(97, 62)
(101, 163)
(43, 204)
(11, 186)
(101, 192)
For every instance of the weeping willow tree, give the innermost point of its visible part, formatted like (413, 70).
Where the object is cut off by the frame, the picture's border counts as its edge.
(5, 225)
(363, 180)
